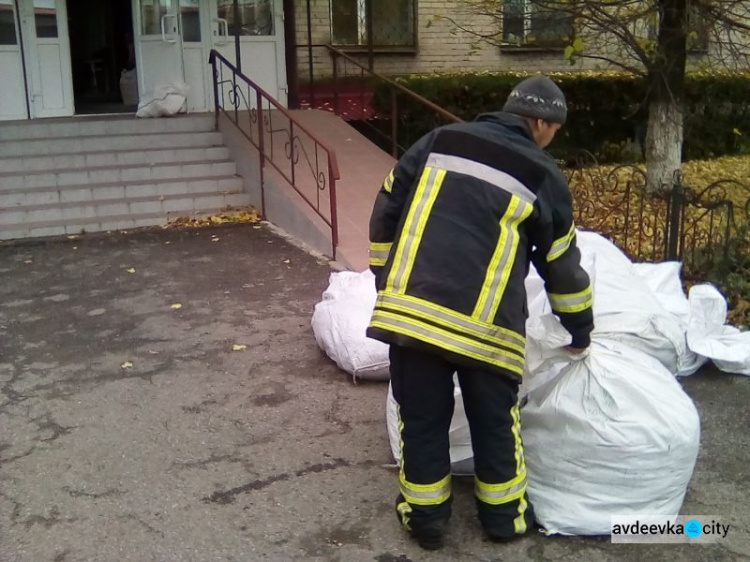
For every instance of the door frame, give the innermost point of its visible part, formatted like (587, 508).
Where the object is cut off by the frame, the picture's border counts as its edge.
(30, 56)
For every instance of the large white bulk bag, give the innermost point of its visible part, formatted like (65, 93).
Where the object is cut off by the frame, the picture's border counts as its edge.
(340, 322)
(612, 434)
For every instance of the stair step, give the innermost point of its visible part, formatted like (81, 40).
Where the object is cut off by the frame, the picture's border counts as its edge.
(36, 163)
(79, 194)
(117, 215)
(108, 143)
(107, 175)
(127, 125)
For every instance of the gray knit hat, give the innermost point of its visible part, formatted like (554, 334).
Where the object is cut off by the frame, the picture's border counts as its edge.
(538, 97)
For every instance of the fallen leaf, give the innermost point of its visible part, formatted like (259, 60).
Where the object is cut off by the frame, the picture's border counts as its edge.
(72, 237)
(75, 247)
(239, 347)
(176, 306)
(127, 365)
(167, 242)
(287, 261)
(215, 239)
(131, 270)
(28, 261)
(256, 227)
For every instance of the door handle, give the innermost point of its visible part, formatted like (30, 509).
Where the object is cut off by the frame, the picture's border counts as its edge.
(164, 28)
(225, 35)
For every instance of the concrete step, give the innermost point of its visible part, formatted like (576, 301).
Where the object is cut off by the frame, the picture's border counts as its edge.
(108, 143)
(110, 175)
(43, 198)
(99, 126)
(114, 214)
(37, 163)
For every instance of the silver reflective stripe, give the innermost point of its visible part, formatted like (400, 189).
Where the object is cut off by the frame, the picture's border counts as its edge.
(450, 342)
(454, 318)
(561, 245)
(437, 494)
(379, 255)
(411, 230)
(502, 271)
(495, 497)
(562, 302)
(482, 172)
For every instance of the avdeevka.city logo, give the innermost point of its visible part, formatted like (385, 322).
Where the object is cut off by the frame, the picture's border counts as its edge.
(693, 528)
(665, 529)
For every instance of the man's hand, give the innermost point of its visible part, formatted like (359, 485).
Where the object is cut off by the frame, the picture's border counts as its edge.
(575, 350)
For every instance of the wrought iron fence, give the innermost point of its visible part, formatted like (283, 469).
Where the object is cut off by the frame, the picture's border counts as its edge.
(708, 229)
(304, 161)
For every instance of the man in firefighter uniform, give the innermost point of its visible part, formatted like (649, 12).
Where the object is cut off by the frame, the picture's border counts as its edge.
(452, 233)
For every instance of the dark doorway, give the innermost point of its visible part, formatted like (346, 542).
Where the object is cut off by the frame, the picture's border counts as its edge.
(103, 56)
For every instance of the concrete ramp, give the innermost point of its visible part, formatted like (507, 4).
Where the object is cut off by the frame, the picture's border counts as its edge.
(362, 167)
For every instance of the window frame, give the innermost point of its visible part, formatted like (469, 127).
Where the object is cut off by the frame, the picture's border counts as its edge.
(364, 46)
(525, 44)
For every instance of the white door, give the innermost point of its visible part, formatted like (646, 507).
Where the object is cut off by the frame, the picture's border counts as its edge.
(12, 87)
(158, 44)
(47, 54)
(195, 31)
(261, 27)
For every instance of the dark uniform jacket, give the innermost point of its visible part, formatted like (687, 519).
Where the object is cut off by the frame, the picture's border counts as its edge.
(452, 233)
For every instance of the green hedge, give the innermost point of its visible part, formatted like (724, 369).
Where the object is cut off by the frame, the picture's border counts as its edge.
(606, 110)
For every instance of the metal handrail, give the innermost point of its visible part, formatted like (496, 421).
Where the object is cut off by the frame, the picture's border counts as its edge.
(293, 146)
(424, 101)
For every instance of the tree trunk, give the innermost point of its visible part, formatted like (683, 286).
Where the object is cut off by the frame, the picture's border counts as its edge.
(667, 96)
(663, 143)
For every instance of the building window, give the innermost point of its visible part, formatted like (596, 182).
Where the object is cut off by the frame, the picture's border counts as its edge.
(393, 23)
(7, 23)
(526, 24)
(255, 17)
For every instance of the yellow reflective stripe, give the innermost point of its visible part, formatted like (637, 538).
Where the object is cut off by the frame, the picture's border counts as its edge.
(388, 182)
(497, 494)
(472, 329)
(496, 279)
(561, 245)
(519, 523)
(426, 494)
(448, 340)
(379, 252)
(572, 302)
(427, 190)
(432, 192)
(404, 510)
(417, 206)
(463, 322)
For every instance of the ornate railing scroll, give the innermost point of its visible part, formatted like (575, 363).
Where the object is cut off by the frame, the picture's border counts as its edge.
(307, 163)
(707, 230)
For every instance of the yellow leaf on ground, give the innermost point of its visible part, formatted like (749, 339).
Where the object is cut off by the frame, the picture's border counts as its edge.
(131, 270)
(176, 306)
(239, 347)
(127, 365)
(287, 261)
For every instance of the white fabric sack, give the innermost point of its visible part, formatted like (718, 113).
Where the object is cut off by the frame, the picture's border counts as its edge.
(462, 455)
(613, 433)
(709, 337)
(340, 322)
(164, 101)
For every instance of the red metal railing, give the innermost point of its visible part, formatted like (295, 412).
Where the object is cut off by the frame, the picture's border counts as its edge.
(282, 141)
